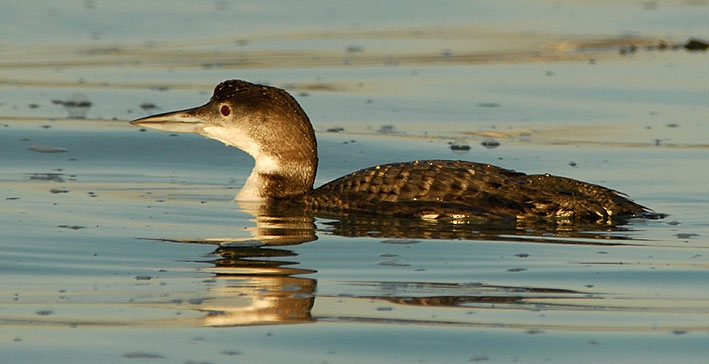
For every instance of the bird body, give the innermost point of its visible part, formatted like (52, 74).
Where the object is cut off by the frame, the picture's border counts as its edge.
(268, 123)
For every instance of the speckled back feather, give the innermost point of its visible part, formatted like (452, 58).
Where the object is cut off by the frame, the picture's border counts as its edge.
(458, 189)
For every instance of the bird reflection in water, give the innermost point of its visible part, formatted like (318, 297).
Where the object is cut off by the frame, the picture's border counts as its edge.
(256, 284)
(258, 281)
(258, 288)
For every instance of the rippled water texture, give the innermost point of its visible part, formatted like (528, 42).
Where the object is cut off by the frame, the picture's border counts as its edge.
(125, 245)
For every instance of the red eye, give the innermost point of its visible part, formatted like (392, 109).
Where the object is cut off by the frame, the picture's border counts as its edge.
(225, 110)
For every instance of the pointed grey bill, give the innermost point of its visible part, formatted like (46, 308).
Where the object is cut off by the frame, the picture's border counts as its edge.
(183, 121)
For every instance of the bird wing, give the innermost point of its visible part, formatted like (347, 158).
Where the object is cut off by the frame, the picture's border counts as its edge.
(440, 188)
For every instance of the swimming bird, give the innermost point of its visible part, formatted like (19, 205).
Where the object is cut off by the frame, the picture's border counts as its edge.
(269, 124)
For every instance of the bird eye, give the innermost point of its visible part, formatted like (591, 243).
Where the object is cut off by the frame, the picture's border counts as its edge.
(225, 110)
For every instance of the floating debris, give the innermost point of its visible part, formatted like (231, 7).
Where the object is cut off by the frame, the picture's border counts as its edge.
(56, 177)
(572, 163)
(138, 355)
(232, 352)
(58, 190)
(336, 129)
(661, 46)
(488, 104)
(459, 146)
(479, 358)
(695, 45)
(354, 49)
(394, 263)
(148, 106)
(71, 227)
(78, 106)
(628, 50)
(692, 45)
(45, 149)
(490, 143)
(387, 129)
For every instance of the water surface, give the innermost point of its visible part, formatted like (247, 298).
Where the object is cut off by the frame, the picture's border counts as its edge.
(110, 241)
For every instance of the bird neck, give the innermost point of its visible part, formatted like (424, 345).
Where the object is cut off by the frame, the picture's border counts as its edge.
(285, 155)
(279, 178)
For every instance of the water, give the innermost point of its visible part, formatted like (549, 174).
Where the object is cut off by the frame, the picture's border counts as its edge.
(108, 240)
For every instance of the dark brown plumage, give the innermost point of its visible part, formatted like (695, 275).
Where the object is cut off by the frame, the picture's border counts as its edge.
(459, 189)
(269, 124)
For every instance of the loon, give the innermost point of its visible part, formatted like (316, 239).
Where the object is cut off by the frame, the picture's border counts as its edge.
(269, 124)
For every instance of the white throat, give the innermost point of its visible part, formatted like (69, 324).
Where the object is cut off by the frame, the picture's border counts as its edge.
(253, 188)
(265, 163)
